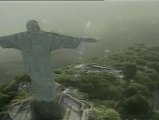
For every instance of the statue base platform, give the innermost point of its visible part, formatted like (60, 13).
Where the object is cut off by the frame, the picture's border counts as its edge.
(42, 110)
(67, 108)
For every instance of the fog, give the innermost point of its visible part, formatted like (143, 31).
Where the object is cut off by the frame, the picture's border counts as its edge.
(114, 23)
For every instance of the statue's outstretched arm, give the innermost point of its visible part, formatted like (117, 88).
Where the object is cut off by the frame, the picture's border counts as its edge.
(8, 41)
(63, 41)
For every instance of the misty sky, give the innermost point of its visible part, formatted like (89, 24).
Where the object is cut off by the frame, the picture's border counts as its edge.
(79, 18)
(65, 17)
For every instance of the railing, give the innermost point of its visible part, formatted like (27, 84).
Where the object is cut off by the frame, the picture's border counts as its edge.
(74, 109)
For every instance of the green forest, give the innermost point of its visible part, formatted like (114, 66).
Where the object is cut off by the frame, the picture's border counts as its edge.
(128, 98)
(120, 99)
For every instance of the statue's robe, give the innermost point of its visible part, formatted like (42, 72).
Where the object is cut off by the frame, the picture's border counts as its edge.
(36, 51)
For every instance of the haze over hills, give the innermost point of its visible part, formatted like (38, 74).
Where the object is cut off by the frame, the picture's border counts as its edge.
(114, 24)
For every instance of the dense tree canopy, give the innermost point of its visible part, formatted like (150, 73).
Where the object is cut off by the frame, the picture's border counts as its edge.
(131, 95)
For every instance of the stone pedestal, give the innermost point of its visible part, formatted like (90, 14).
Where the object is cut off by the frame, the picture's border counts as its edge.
(42, 110)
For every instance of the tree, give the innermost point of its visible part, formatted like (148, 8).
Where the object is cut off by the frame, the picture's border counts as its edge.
(4, 99)
(136, 88)
(137, 106)
(129, 71)
(148, 77)
(98, 85)
(155, 115)
(93, 84)
(110, 114)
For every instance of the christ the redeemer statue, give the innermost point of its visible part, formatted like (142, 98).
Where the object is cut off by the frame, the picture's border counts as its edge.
(36, 46)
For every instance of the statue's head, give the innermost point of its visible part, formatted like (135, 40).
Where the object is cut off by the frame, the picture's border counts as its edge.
(32, 26)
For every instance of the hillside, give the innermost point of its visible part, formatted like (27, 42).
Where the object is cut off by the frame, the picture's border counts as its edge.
(123, 85)
(130, 96)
